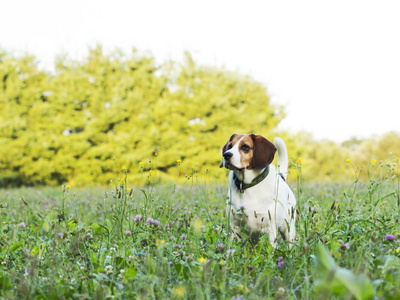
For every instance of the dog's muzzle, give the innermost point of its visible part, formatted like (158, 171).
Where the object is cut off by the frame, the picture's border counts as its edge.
(227, 162)
(227, 155)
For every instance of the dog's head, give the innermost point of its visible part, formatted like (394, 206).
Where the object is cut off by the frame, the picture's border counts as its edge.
(247, 151)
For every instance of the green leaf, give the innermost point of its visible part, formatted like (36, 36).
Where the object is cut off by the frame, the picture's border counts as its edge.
(72, 225)
(182, 270)
(96, 228)
(340, 281)
(324, 262)
(37, 249)
(130, 273)
(16, 246)
(257, 260)
(5, 282)
(46, 226)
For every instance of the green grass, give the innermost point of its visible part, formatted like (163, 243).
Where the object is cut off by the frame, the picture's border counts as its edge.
(85, 243)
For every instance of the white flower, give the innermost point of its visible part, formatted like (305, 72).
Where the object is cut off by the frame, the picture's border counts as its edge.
(109, 268)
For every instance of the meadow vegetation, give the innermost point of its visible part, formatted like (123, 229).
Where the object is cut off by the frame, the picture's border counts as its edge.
(171, 242)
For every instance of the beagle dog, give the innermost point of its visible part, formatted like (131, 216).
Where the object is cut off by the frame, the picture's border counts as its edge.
(259, 200)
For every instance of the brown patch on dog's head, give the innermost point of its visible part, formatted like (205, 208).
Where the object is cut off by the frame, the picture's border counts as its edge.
(263, 151)
(246, 150)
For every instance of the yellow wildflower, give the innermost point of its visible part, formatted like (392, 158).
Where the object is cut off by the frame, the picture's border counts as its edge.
(373, 161)
(202, 260)
(179, 291)
(160, 243)
(298, 161)
(222, 262)
(347, 160)
(178, 161)
(141, 164)
(128, 189)
(397, 251)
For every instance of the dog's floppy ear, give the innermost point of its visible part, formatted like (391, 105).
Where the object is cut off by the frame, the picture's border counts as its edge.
(225, 148)
(263, 151)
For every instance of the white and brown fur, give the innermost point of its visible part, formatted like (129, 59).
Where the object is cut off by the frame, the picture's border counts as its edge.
(268, 206)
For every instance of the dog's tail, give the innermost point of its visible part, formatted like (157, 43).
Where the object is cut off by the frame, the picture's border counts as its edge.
(283, 159)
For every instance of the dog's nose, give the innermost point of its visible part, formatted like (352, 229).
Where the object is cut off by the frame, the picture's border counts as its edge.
(227, 155)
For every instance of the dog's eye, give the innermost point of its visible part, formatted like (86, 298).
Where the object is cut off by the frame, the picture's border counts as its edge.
(245, 148)
(230, 146)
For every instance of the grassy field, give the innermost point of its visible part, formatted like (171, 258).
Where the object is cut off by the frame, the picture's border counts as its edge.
(171, 242)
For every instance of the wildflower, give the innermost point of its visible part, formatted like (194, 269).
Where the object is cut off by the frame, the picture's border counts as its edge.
(183, 236)
(170, 263)
(397, 251)
(21, 225)
(222, 262)
(149, 221)
(156, 223)
(178, 161)
(141, 164)
(109, 269)
(373, 161)
(390, 237)
(202, 260)
(160, 243)
(345, 246)
(127, 232)
(280, 293)
(298, 161)
(189, 258)
(60, 235)
(281, 264)
(177, 246)
(229, 253)
(179, 291)
(241, 208)
(347, 160)
(220, 248)
(128, 189)
(137, 218)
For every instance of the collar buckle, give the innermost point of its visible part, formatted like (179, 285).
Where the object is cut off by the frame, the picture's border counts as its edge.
(241, 187)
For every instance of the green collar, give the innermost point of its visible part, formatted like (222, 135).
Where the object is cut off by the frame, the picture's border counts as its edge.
(242, 186)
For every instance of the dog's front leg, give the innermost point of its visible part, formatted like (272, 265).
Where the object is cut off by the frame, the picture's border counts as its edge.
(235, 222)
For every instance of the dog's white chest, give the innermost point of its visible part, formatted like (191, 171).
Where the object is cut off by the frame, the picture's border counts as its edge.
(259, 207)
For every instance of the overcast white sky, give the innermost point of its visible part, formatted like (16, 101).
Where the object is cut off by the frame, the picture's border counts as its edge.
(334, 65)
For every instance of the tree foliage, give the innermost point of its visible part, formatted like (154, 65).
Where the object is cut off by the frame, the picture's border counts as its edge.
(89, 118)
(69, 125)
